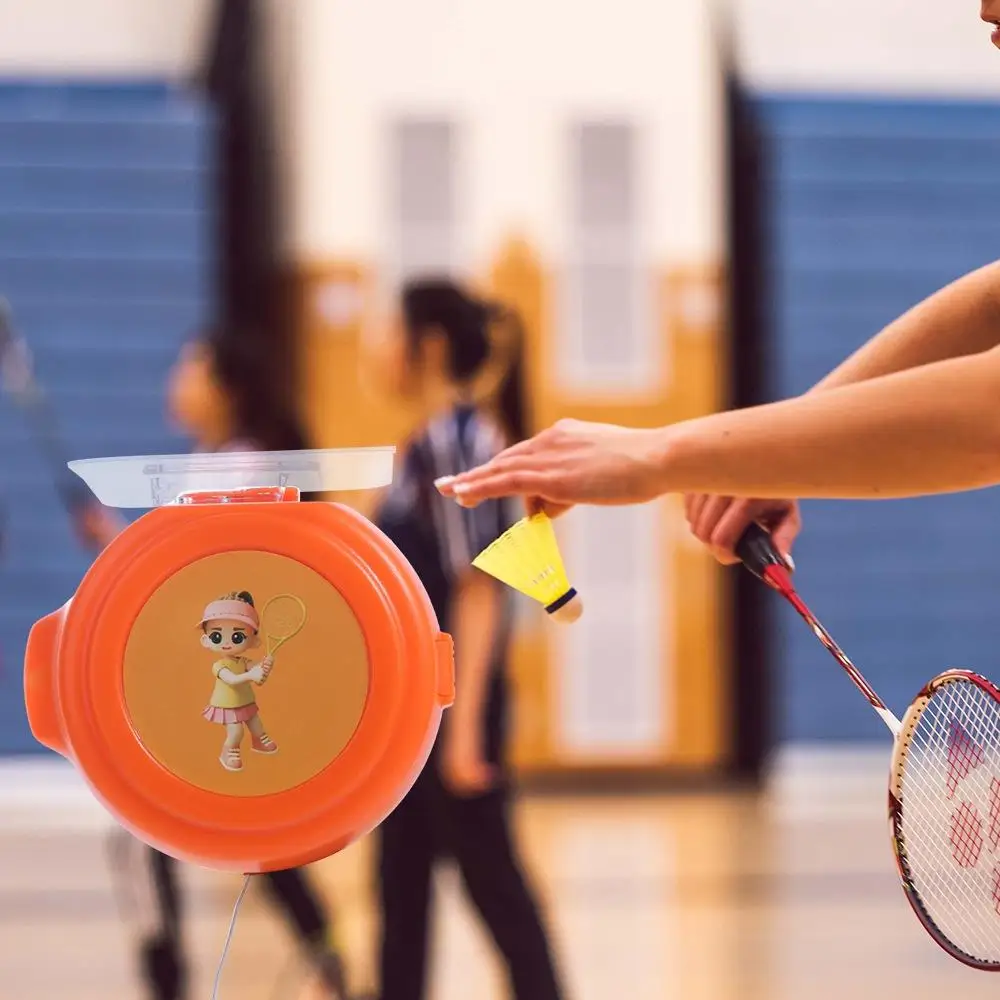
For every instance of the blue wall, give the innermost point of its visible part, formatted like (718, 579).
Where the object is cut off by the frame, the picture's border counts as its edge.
(104, 256)
(872, 205)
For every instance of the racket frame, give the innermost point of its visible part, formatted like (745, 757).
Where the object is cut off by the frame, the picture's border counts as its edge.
(900, 750)
(270, 650)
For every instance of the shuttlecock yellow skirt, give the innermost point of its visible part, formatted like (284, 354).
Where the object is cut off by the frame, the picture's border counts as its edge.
(526, 558)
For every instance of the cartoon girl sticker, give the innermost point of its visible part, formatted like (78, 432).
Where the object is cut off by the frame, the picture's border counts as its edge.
(231, 626)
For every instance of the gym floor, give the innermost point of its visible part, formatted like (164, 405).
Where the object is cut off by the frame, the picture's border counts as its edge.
(788, 895)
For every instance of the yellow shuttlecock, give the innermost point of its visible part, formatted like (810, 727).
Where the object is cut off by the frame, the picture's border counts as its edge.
(526, 557)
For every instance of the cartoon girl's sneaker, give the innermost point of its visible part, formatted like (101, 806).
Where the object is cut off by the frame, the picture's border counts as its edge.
(231, 759)
(263, 744)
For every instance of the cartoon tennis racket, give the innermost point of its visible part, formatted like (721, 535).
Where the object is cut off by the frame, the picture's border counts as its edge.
(282, 619)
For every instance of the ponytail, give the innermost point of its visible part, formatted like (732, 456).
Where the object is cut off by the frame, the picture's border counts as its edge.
(511, 394)
(485, 345)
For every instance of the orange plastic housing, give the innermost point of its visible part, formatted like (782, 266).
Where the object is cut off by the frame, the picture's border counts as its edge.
(76, 699)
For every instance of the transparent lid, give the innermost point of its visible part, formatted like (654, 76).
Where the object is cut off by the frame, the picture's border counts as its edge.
(158, 480)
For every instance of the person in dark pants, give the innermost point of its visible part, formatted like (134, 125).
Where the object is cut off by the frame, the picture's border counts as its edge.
(222, 392)
(155, 902)
(443, 356)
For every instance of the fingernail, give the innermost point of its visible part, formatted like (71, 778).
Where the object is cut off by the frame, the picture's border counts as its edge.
(790, 562)
(443, 482)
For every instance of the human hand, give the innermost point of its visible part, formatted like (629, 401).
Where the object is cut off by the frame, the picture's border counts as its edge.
(96, 525)
(719, 522)
(464, 770)
(256, 674)
(569, 463)
(266, 665)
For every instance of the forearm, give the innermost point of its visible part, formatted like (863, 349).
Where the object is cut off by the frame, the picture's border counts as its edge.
(961, 319)
(475, 621)
(932, 429)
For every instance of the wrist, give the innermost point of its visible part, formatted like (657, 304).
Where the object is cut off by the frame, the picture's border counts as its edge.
(667, 447)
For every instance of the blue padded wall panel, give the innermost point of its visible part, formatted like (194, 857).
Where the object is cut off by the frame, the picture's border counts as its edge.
(873, 205)
(42, 98)
(140, 233)
(166, 142)
(113, 188)
(105, 259)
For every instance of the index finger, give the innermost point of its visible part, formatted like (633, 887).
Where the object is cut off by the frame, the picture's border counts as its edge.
(505, 482)
(446, 484)
(451, 486)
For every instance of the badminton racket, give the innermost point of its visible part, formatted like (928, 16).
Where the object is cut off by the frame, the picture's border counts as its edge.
(944, 786)
(17, 377)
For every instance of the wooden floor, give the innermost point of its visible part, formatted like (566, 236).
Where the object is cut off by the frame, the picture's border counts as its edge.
(789, 896)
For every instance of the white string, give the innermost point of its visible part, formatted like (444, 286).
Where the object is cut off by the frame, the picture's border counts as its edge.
(229, 937)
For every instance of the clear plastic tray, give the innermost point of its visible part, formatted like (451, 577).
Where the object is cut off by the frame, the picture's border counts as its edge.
(140, 481)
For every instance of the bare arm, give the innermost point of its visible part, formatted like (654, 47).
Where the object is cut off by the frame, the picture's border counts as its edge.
(915, 411)
(931, 429)
(476, 618)
(235, 680)
(961, 319)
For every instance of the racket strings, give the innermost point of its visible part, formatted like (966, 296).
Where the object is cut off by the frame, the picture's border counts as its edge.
(282, 624)
(945, 749)
(951, 816)
(283, 617)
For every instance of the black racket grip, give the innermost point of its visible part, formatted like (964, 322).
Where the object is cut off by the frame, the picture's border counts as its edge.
(757, 551)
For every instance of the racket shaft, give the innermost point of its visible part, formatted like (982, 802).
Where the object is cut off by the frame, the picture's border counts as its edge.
(759, 555)
(856, 676)
(784, 587)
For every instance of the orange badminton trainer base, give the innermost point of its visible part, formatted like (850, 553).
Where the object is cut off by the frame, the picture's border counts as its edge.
(155, 681)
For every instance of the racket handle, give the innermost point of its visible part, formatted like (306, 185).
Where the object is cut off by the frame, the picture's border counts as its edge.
(757, 551)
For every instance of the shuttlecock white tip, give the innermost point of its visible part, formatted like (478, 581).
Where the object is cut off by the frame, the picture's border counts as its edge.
(569, 612)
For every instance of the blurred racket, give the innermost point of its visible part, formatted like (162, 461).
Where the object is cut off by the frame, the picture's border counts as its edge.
(17, 377)
(93, 523)
(283, 617)
(944, 787)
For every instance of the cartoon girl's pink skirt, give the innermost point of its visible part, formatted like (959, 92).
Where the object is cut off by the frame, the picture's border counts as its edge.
(229, 716)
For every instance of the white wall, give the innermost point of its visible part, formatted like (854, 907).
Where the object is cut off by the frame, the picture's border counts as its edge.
(101, 37)
(514, 74)
(920, 47)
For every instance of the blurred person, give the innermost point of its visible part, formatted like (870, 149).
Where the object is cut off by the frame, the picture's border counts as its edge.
(221, 392)
(914, 412)
(443, 354)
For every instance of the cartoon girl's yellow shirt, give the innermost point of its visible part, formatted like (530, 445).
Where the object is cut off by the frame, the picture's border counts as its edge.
(231, 696)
